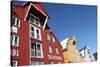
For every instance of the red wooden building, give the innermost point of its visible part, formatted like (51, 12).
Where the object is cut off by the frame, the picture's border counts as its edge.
(32, 41)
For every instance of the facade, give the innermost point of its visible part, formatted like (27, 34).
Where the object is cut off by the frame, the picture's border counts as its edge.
(70, 53)
(86, 55)
(32, 41)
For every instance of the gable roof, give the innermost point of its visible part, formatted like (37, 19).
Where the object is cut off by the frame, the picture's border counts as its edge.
(37, 6)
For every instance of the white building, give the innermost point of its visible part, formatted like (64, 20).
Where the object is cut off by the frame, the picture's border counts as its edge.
(86, 55)
(63, 43)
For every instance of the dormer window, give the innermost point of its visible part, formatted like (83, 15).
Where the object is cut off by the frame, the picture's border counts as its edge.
(34, 20)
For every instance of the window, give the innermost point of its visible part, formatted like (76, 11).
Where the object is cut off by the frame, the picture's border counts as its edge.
(82, 53)
(15, 40)
(36, 50)
(35, 20)
(48, 37)
(14, 52)
(51, 62)
(37, 62)
(57, 51)
(32, 32)
(15, 21)
(14, 63)
(50, 49)
(59, 62)
(53, 39)
(35, 32)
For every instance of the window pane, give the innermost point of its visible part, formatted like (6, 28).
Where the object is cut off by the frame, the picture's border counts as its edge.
(32, 32)
(16, 39)
(50, 49)
(13, 63)
(32, 46)
(32, 28)
(17, 24)
(38, 34)
(33, 53)
(38, 46)
(33, 49)
(38, 50)
(37, 31)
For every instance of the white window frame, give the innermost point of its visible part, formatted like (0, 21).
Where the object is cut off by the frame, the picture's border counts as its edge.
(14, 52)
(35, 32)
(53, 38)
(34, 21)
(15, 62)
(13, 40)
(15, 23)
(48, 37)
(50, 49)
(82, 53)
(37, 51)
(57, 51)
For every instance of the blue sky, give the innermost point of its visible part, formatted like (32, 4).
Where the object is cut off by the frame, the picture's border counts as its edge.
(78, 20)
(71, 19)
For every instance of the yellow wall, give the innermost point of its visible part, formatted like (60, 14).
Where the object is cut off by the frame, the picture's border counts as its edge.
(71, 54)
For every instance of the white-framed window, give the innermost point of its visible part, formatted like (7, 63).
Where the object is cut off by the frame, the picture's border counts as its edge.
(14, 63)
(51, 62)
(82, 53)
(59, 62)
(35, 20)
(37, 62)
(14, 52)
(48, 37)
(15, 21)
(57, 51)
(36, 50)
(35, 32)
(15, 40)
(50, 49)
(53, 39)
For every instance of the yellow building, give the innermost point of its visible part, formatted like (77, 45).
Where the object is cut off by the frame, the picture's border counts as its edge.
(70, 53)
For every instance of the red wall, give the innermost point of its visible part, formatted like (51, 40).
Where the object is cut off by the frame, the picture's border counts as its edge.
(24, 43)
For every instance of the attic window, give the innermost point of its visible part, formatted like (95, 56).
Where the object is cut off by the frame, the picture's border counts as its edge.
(34, 20)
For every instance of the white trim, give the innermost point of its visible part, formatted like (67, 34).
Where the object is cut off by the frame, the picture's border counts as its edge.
(15, 23)
(29, 44)
(35, 33)
(29, 9)
(53, 38)
(34, 21)
(39, 10)
(50, 49)
(14, 52)
(40, 50)
(45, 22)
(13, 40)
